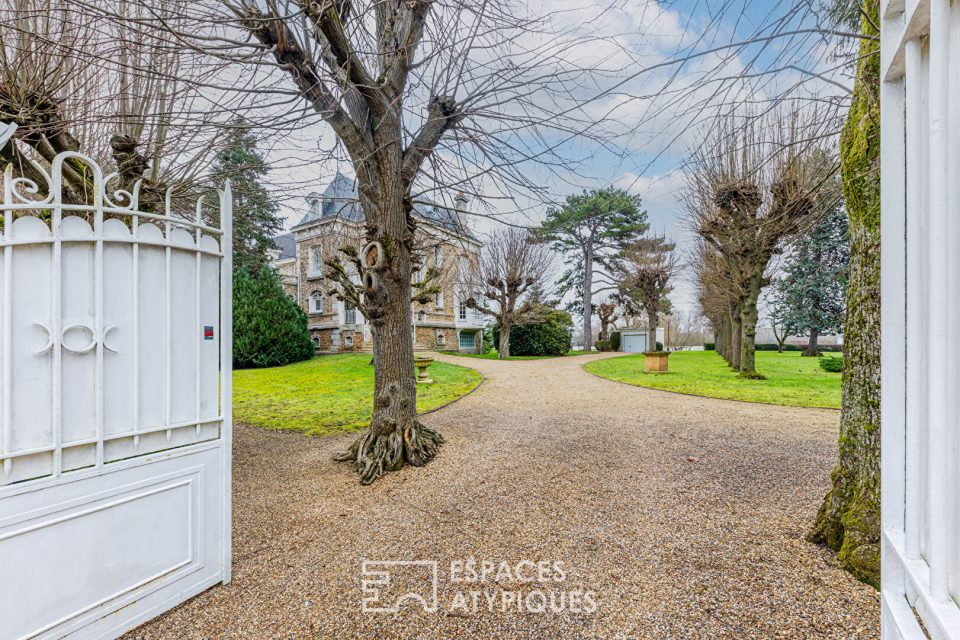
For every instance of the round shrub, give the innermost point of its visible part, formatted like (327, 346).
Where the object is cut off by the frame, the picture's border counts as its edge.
(547, 334)
(269, 327)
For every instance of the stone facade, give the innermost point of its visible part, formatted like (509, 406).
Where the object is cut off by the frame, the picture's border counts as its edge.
(334, 220)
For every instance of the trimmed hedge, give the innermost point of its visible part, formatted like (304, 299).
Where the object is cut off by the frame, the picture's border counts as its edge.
(832, 348)
(269, 327)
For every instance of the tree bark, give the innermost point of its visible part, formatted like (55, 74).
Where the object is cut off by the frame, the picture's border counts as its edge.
(748, 328)
(395, 436)
(812, 349)
(652, 322)
(587, 300)
(736, 336)
(504, 347)
(849, 518)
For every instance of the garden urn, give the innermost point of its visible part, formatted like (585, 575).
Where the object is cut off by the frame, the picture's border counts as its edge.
(422, 362)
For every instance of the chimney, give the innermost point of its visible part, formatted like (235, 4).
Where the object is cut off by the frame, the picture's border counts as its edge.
(460, 202)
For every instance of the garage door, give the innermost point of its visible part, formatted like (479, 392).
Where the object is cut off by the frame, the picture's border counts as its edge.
(633, 343)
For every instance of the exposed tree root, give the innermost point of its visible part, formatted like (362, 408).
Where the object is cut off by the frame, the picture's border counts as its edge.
(380, 450)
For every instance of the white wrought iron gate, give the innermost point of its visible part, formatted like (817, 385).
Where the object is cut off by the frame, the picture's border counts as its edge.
(920, 226)
(115, 338)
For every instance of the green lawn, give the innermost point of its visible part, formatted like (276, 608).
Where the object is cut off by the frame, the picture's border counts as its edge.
(791, 379)
(493, 355)
(330, 394)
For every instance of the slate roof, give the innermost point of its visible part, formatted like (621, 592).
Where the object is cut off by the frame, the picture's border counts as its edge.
(339, 199)
(287, 245)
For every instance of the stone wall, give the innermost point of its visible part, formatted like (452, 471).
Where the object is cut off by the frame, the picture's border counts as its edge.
(324, 340)
(426, 337)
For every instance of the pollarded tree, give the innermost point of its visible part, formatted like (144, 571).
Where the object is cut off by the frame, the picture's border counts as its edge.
(607, 312)
(512, 267)
(812, 290)
(645, 276)
(755, 185)
(718, 295)
(75, 81)
(421, 97)
(592, 229)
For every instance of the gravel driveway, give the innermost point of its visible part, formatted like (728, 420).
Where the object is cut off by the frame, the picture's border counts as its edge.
(545, 462)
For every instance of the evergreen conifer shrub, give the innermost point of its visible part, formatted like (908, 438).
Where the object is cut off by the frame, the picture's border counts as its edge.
(269, 328)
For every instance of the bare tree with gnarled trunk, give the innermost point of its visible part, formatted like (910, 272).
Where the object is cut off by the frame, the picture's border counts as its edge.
(755, 184)
(511, 264)
(422, 98)
(646, 270)
(607, 313)
(73, 81)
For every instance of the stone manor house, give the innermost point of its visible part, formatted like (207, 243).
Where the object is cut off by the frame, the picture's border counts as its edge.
(335, 219)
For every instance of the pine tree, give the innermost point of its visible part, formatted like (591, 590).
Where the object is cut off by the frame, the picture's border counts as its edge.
(591, 229)
(255, 219)
(811, 293)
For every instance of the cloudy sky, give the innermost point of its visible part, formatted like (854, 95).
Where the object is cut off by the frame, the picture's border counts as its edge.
(667, 69)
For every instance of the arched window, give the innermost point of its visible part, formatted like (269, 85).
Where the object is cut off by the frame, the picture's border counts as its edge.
(441, 339)
(315, 208)
(316, 301)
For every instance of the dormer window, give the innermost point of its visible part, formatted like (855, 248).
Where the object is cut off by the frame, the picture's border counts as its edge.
(315, 208)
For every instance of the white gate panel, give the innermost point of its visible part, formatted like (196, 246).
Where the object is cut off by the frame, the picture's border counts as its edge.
(115, 449)
(920, 108)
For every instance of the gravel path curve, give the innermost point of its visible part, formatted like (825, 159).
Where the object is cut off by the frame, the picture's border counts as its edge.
(545, 462)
